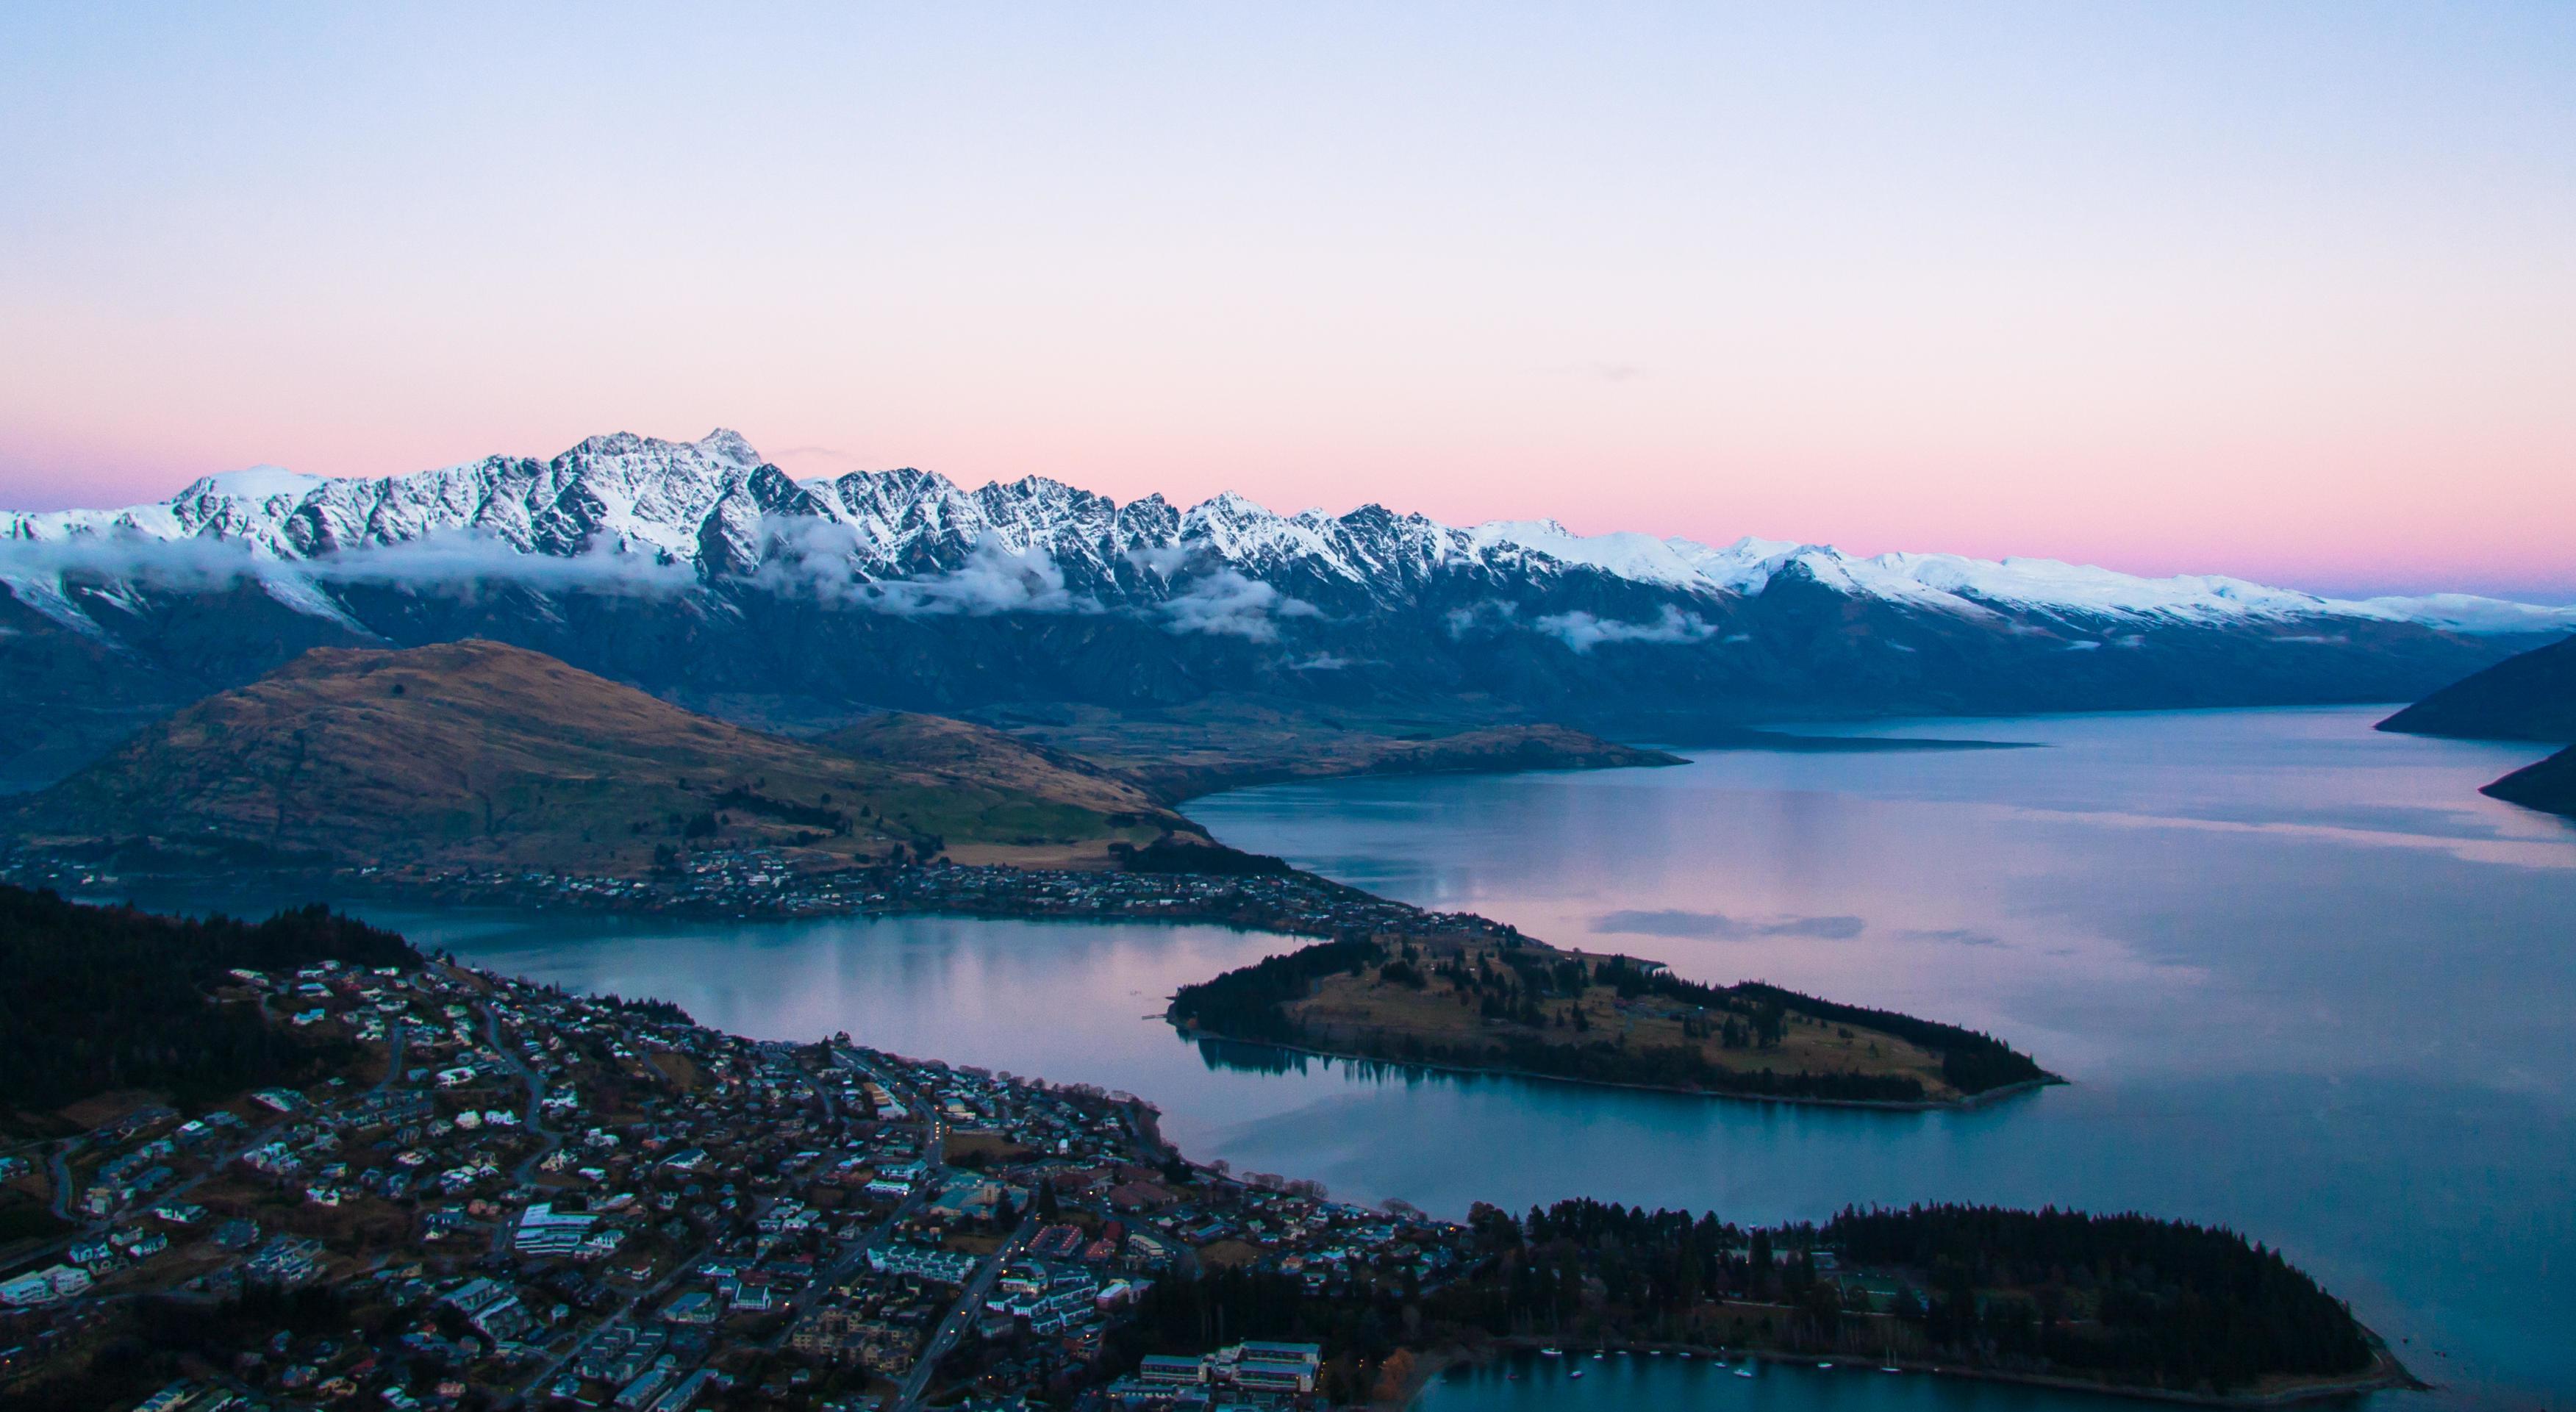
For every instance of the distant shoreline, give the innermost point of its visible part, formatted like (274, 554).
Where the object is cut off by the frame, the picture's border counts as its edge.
(2386, 1373)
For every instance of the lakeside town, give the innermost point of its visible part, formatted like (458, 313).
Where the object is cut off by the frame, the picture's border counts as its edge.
(763, 883)
(542, 1199)
(479, 1192)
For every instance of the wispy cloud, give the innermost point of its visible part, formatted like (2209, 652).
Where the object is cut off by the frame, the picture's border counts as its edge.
(1584, 631)
(1720, 926)
(819, 558)
(1229, 603)
(1956, 936)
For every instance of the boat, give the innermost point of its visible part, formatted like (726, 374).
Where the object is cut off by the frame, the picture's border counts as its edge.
(1551, 1353)
(1890, 1368)
(1827, 1366)
(1744, 1372)
(1576, 1373)
(1596, 1357)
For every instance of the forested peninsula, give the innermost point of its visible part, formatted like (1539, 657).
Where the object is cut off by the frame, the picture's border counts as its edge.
(1492, 1000)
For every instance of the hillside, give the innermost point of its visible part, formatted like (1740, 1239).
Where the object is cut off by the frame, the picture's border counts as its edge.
(963, 752)
(2529, 697)
(478, 753)
(2549, 785)
(1182, 752)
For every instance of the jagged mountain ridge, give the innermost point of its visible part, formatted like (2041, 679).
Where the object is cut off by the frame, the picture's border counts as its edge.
(716, 508)
(702, 573)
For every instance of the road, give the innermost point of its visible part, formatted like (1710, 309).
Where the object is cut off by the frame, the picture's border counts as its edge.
(840, 1269)
(970, 1303)
(624, 1312)
(548, 1140)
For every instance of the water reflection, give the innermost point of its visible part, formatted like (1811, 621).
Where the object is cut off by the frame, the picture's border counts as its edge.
(2311, 985)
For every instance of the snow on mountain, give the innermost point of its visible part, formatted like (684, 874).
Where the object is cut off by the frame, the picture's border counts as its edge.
(713, 510)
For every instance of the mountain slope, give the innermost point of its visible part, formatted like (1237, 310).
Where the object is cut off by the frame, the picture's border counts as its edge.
(700, 572)
(964, 752)
(2530, 697)
(479, 753)
(2549, 785)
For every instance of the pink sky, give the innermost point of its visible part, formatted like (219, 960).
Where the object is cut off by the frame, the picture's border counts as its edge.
(2286, 294)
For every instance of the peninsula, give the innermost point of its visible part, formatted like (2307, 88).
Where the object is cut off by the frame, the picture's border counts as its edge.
(1489, 999)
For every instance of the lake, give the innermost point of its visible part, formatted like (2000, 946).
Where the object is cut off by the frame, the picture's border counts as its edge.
(2306, 981)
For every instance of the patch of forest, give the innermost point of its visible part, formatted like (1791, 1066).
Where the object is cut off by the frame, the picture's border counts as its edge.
(103, 998)
(2124, 1300)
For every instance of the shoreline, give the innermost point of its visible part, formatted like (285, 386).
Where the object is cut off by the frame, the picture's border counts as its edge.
(1978, 1099)
(2385, 1374)
(1163, 898)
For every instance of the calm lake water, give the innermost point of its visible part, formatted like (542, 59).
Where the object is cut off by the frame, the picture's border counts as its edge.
(2308, 983)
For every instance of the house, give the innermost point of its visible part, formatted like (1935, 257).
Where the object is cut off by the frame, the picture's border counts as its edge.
(545, 1231)
(45, 1286)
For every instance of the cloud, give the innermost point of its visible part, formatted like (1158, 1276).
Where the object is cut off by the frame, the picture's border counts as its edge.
(1463, 621)
(1320, 662)
(1720, 926)
(457, 562)
(1584, 631)
(1956, 936)
(1228, 603)
(1161, 560)
(463, 561)
(817, 557)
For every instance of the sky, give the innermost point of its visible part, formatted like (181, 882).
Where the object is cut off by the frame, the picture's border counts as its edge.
(2285, 290)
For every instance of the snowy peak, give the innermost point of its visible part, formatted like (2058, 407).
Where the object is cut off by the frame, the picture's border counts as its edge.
(715, 509)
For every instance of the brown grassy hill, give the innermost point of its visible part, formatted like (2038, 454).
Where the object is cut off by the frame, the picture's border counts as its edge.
(1229, 743)
(475, 752)
(963, 751)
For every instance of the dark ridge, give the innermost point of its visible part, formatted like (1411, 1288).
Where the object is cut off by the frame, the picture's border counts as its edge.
(2529, 697)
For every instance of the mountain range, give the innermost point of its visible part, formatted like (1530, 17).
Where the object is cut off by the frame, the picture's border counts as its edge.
(702, 573)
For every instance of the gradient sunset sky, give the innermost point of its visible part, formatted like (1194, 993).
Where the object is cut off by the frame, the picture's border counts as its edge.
(2280, 290)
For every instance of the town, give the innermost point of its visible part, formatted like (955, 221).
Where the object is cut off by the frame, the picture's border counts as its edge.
(519, 1197)
(764, 883)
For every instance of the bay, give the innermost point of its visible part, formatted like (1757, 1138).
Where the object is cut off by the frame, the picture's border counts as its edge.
(2304, 980)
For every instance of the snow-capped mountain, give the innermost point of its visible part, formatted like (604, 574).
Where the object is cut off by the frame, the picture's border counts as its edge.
(700, 570)
(714, 508)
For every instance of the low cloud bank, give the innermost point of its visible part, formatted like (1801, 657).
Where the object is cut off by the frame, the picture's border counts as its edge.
(1584, 631)
(448, 560)
(1228, 603)
(1719, 926)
